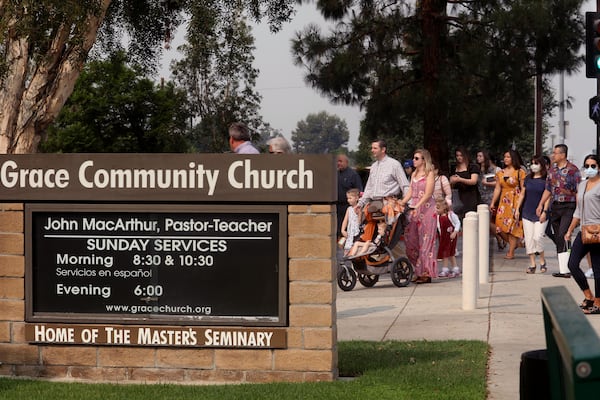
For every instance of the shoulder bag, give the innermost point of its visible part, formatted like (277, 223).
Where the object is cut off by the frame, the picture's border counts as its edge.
(590, 234)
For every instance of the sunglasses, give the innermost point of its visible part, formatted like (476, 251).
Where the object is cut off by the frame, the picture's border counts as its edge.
(534, 163)
(416, 158)
(592, 166)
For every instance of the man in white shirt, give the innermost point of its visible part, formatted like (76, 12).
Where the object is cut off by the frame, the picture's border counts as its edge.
(386, 178)
(239, 139)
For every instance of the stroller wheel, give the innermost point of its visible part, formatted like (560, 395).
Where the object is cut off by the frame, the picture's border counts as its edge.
(346, 278)
(402, 272)
(368, 280)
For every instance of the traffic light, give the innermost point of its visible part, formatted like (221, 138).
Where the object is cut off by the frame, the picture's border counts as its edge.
(592, 45)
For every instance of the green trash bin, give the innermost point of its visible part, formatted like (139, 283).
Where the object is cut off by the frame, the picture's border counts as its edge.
(534, 376)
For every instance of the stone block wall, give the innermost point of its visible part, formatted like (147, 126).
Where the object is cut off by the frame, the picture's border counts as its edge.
(311, 353)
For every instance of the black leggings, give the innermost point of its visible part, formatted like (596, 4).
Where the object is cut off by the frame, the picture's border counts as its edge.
(578, 251)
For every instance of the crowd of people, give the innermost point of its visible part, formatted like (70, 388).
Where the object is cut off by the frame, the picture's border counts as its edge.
(529, 201)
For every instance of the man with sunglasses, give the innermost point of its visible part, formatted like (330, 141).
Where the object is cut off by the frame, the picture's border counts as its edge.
(561, 186)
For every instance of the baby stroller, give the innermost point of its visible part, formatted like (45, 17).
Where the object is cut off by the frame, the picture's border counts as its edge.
(379, 258)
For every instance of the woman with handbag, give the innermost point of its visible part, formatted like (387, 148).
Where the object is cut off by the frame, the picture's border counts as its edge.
(508, 191)
(587, 212)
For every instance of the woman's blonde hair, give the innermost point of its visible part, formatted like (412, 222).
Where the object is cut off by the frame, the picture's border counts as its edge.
(427, 158)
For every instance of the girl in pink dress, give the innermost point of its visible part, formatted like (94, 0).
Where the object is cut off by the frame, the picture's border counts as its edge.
(420, 234)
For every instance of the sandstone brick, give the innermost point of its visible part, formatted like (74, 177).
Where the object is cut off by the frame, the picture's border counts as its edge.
(18, 332)
(303, 360)
(243, 359)
(311, 292)
(68, 355)
(298, 209)
(320, 376)
(185, 358)
(310, 224)
(41, 371)
(12, 310)
(4, 332)
(12, 243)
(126, 357)
(12, 266)
(311, 270)
(11, 222)
(19, 354)
(295, 338)
(223, 376)
(156, 375)
(310, 247)
(310, 315)
(12, 288)
(274, 376)
(322, 208)
(319, 338)
(100, 374)
(11, 207)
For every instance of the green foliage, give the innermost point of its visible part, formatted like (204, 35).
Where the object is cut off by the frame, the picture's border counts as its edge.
(217, 73)
(115, 109)
(450, 370)
(438, 74)
(320, 133)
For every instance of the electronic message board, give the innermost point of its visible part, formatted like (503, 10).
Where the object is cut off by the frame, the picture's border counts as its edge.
(176, 264)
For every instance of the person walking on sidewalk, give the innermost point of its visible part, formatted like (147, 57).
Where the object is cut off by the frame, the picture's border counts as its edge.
(509, 187)
(561, 187)
(588, 210)
(420, 234)
(534, 227)
(448, 226)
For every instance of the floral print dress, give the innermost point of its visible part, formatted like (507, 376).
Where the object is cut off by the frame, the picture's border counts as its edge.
(510, 183)
(421, 232)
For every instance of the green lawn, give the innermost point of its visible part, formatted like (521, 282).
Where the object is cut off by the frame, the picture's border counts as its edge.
(369, 370)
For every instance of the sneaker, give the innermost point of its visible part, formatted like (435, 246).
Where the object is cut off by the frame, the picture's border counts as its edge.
(455, 271)
(589, 274)
(444, 274)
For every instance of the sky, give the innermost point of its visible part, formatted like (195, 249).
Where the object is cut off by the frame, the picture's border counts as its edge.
(286, 99)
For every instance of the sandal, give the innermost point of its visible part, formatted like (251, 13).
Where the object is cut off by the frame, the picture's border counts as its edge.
(592, 310)
(586, 303)
(543, 268)
(530, 270)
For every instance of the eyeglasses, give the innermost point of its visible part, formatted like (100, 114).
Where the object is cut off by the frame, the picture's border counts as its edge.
(416, 158)
(592, 166)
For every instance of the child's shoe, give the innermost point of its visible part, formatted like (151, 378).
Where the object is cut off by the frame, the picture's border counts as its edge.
(445, 273)
(455, 272)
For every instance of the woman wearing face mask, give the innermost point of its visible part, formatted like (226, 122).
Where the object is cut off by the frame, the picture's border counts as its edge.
(588, 212)
(534, 226)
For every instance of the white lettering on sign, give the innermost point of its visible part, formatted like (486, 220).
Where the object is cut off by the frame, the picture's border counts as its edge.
(196, 177)
(214, 337)
(54, 335)
(149, 336)
(241, 175)
(11, 176)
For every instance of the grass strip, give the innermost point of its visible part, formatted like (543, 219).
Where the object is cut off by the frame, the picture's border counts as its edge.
(415, 370)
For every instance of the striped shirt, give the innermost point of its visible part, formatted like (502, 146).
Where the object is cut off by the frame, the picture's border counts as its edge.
(386, 178)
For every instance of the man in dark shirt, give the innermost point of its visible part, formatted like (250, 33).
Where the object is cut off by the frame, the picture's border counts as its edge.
(348, 179)
(561, 186)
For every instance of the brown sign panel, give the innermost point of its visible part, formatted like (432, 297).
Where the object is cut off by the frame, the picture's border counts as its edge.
(168, 177)
(169, 336)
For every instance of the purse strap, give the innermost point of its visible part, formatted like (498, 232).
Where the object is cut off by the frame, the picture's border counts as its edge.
(583, 202)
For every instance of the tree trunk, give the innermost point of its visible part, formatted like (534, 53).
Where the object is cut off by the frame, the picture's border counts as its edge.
(435, 140)
(33, 93)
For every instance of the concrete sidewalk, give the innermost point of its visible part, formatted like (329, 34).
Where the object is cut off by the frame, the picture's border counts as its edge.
(508, 314)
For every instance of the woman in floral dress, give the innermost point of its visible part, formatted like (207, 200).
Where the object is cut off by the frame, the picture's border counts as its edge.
(509, 189)
(420, 234)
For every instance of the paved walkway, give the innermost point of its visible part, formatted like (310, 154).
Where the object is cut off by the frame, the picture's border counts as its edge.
(508, 314)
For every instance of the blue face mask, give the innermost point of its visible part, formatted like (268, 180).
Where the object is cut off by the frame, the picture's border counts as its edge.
(590, 172)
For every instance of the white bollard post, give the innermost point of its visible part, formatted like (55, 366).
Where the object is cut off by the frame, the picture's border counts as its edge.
(483, 213)
(470, 258)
